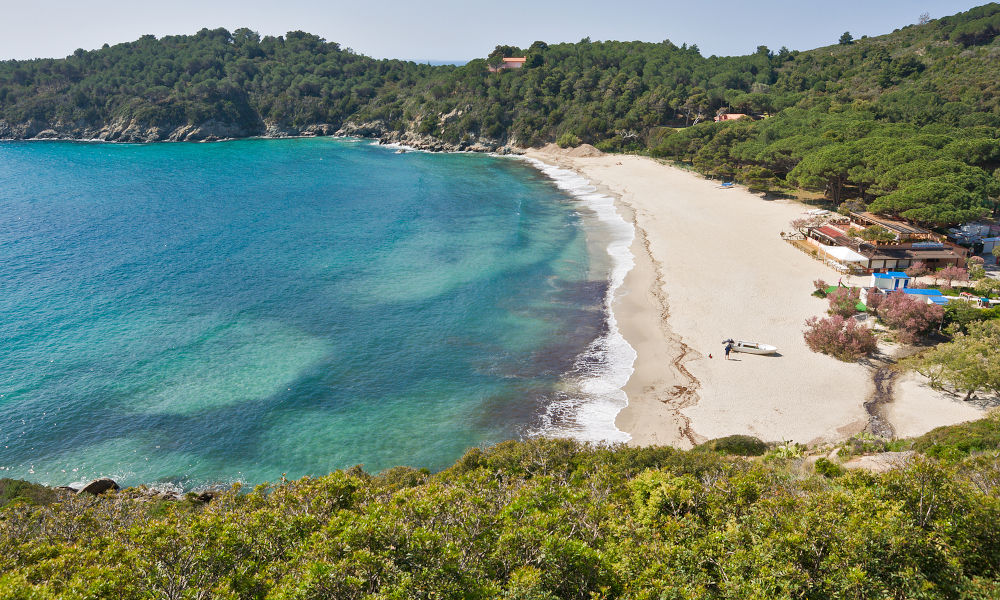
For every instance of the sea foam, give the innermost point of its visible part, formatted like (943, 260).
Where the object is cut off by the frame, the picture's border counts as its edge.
(587, 408)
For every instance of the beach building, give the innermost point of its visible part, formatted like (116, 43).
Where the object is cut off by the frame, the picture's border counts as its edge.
(839, 241)
(730, 117)
(509, 63)
(904, 231)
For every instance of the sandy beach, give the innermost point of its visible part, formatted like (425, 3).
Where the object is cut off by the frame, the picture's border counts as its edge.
(710, 264)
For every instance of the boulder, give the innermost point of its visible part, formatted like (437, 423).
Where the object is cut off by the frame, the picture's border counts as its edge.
(99, 486)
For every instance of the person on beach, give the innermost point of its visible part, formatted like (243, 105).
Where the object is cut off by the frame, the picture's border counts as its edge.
(729, 348)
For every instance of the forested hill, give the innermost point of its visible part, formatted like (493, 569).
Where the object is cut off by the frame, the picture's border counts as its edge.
(906, 122)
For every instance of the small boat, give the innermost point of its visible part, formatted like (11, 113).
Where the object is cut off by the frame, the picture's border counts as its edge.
(754, 348)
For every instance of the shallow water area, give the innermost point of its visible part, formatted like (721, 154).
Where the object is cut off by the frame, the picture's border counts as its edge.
(201, 313)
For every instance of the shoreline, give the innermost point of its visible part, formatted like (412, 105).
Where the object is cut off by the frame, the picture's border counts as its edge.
(592, 418)
(674, 313)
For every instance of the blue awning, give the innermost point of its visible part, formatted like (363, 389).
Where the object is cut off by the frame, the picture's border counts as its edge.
(921, 292)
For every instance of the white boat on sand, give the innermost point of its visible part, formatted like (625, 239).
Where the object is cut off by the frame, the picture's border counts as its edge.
(752, 347)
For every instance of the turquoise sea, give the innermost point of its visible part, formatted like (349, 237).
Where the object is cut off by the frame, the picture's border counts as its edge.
(191, 314)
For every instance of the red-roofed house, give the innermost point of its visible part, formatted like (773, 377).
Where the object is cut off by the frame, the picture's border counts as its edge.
(509, 63)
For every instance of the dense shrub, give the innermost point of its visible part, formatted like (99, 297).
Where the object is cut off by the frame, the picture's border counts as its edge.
(542, 519)
(736, 445)
(568, 140)
(841, 338)
(910, 317)
(16, 489)
(828, 468)
(955, 441)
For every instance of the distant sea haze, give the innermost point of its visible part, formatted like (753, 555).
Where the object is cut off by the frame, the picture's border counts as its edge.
(438, 63)
(190, 314)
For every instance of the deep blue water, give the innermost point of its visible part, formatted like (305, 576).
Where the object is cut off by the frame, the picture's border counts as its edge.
(199, 313)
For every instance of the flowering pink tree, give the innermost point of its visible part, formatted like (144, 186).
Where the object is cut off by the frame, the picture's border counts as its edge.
(951, 274)
(843, 301)
(917, 269)
(910, 316)
(820, 285)
(841, 338)
(873, 302)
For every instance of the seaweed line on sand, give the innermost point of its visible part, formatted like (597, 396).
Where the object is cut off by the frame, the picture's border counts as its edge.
(682, 396)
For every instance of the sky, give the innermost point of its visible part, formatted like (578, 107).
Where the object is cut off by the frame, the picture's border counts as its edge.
(460, 30)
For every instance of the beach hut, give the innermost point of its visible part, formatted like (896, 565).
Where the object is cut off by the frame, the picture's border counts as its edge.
(891, 281)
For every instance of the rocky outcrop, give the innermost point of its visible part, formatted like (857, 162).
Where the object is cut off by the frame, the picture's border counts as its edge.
(99, 486)
(132, 131)
(881, 462)
(370, 129)
(275, 130)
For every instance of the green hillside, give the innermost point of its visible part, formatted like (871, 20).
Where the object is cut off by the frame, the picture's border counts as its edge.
(537, 520)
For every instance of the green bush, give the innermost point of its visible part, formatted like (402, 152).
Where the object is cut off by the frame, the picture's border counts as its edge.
(32, 493)
(956, 441)
(736, 445)
(828, 468)
(568, 140)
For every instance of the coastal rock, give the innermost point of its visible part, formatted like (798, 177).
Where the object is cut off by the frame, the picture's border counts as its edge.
(99, 486)
(208, 131)
(273, 130)
(323, 129)
(47, 134)
(370, 129)
(131, 130)
(882, 462)
(20, 131)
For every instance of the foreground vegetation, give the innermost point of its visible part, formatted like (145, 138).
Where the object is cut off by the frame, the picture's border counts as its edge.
(903, 124)
(541, 519)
